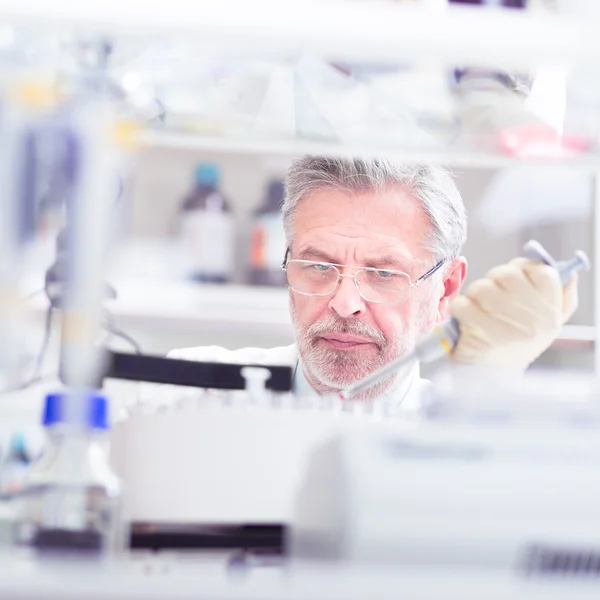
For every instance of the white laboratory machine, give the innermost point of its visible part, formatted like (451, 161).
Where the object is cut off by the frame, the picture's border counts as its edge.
(490, 474)
(497, 495)
(229, 464)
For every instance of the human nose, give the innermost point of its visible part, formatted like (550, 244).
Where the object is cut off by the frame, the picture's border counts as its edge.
(346, 301)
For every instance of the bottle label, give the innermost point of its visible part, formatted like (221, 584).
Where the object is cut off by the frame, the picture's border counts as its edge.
(268, 242)
(209, 237)
(257, 248)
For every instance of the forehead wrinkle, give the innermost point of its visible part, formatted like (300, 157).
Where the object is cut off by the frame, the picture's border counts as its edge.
(400, 225)
(388, 250)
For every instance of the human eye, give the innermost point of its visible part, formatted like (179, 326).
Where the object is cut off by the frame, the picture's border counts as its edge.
(320, 267)
(382, 274)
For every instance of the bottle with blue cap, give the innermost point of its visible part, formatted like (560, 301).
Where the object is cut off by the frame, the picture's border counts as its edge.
(207, 228)
(70, 498)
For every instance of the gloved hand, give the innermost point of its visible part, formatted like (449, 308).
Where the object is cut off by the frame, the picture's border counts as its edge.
(508, 318)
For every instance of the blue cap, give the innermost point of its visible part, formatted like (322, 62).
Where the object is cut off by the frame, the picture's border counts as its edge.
(95, 413)
(207, 174)
(18, 447)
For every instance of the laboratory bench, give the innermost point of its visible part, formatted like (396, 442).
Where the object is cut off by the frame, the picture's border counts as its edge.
(213, 578)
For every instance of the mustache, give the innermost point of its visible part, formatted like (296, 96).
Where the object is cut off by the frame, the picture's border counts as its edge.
(336, 325)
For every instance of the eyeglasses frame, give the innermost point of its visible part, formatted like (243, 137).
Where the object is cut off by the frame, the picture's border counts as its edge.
(413, 284)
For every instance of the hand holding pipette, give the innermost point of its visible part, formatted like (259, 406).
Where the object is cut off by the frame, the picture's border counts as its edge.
(505, 320)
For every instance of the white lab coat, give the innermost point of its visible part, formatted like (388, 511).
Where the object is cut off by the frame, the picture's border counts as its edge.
(406, 399)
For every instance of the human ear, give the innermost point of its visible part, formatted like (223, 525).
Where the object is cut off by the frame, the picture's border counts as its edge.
(454, 277)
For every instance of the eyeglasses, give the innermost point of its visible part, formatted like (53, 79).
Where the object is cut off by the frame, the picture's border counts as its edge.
(382, 286)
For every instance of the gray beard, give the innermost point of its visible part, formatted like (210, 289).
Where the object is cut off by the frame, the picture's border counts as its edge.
(330, 371)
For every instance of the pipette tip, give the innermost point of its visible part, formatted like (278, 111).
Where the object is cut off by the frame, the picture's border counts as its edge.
(583, 260)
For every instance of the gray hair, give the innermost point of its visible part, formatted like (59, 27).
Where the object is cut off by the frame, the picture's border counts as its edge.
(432, 186)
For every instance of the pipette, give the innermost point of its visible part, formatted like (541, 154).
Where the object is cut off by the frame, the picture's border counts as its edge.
(444, 337)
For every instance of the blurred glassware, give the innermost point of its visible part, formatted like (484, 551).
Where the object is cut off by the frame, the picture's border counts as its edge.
(268, 239)
(70, 498)
(207, 228)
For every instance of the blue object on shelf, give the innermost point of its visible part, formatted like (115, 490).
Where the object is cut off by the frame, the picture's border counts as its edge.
(208, 175)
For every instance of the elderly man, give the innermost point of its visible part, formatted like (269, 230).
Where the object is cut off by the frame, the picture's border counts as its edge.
(373, 263)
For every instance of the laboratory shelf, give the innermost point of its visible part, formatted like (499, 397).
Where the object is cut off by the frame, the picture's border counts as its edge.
(276, 146)
(367, 35)
(245, 309)
(177, 305)
(577, 335)
(368, 32)
(154, 294)
(184, 305)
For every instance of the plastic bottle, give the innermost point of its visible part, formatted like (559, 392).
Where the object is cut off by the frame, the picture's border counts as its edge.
(208, 228)
(268, 239)
(70, 498)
